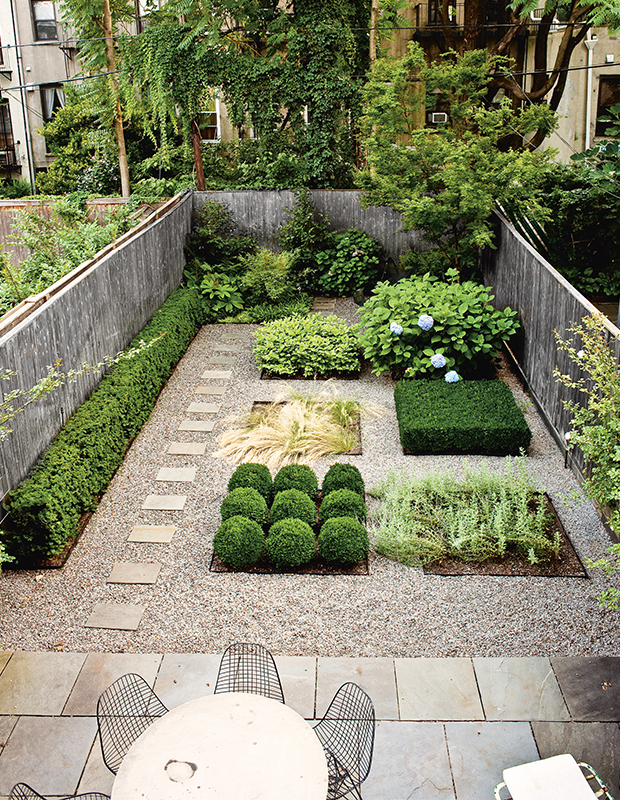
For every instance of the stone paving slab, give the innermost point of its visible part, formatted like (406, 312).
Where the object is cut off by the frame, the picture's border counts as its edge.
(437, 689)
(4, 657)
(115, 616)
(519, 689)
(187, 448)
(374, 675)
(221, 360)
(217, 374)
(6, 728)
(165, 502)
(212, 390)
(157, 534)
(298, 678)
(176, 474)
(410, 762)
(203, 408)
(134, 572)
(596, 743)
(206, 426)
(48, 753)
(102, 669)
(591, 687)
(38, 683)
(480, 751)
(185, 676)
(233, 348)
(96, 777)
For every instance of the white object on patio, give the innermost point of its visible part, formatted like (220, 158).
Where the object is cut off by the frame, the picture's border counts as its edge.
(558, 776)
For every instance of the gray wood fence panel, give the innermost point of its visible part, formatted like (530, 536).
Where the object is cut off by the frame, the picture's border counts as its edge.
(260, 214)
(96, 315)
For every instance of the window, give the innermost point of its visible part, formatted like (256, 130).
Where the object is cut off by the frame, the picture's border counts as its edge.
(209, 122)
(7, 145)
(44, 17)
(608, 95)
(52, 97)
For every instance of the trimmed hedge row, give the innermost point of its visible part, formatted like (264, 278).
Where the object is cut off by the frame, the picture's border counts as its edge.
(463, 417)
(79, 464)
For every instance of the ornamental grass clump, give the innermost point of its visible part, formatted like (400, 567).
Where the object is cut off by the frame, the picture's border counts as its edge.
(343, 540)
(422, 520)
(295, 504)
(296, 476)
(342, 476)
(238, 542)
(245, 502)
(290, 543)
(255, 476)
(342, 503)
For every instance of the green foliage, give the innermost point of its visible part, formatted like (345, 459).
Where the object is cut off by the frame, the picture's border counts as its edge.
(222, 298)
(238, 542)
(418, 263)
(290, 543)
(466, 329)
(343, 540)
(351, 265)
(18, 187)
(295, 504)
(608, 598)
(256, 476)
(296, 476)
(268, 312)
(79, 464)
(422, 520)
(446, 181)
(311, 346)
(213, 243)
(342, 503)
(266, 276)
(342, 476)
(245, 502)
(463, 417)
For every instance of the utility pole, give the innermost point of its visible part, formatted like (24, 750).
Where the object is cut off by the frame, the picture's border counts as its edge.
(118, 118)
(374, 22)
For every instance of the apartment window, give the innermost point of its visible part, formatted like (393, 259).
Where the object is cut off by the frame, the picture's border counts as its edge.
(1, 53)
(209, 122)
(44, 17)
(608, 95)
(52, 97)
(7, 145)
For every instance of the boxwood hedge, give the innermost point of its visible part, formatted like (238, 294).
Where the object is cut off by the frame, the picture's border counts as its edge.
(79, 464)
(463, 417)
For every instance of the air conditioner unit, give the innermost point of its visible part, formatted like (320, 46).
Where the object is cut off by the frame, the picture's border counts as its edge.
(438, 117)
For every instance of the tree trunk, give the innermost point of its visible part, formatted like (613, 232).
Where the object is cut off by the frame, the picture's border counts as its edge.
(374, 21)
(118, 119)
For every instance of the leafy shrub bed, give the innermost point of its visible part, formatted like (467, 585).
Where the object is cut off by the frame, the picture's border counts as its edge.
(79, 464)
(463, 417)
(291, 545)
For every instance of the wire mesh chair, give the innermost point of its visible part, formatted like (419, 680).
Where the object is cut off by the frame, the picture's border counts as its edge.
(347, 733)
(247, 667)
(598, 787)
(124, 711)
(21, 791)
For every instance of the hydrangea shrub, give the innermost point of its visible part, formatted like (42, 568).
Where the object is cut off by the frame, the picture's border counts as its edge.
(424, 327)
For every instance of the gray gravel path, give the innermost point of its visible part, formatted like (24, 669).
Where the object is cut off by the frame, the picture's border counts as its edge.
(394, 611)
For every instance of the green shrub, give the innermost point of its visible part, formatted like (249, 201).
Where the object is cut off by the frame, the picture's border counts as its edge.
(296, 476)
(268, 312)
(79, 464)
(266, 276)
(294, 504)
(256, 476)
(238, 542)
(245, 502)
(342, 503)
(463, 417)
(311, 346)
(342, 476)
(290, 543)
(352, 265)
(221, 296)
(405, 325)
(343, 540)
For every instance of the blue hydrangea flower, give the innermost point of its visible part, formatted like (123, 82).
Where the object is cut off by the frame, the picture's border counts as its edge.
(438, 360)
(451, 377)
(396, 328)
(426, 322)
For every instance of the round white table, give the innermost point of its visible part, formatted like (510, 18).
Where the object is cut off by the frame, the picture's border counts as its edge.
(232, 746)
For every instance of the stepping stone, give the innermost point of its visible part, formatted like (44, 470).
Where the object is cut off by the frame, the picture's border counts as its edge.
(197, 425)
(217, 375)
(180, 474)
(115, 616)
(165, 502)
(233, 348)
(134, 572)
(326, 305)
(203, 408)
(236, 336)
(157, 534)
(222, 360)
(329, 300)
(187, 448)
(213, 390)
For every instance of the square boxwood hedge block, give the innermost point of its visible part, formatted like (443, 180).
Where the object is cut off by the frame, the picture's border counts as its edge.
(463, 417)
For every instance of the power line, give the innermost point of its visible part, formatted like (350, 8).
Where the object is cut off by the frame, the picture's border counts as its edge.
(66, 80)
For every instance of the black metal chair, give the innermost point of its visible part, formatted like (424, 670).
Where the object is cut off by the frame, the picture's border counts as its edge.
(124, 711)
(21, 791)
(247, 667)
(347, 733)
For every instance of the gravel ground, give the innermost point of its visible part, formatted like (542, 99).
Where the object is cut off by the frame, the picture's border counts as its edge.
(394, 611)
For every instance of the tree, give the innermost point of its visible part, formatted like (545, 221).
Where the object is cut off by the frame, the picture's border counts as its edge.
(96, 23)
(446, 181)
